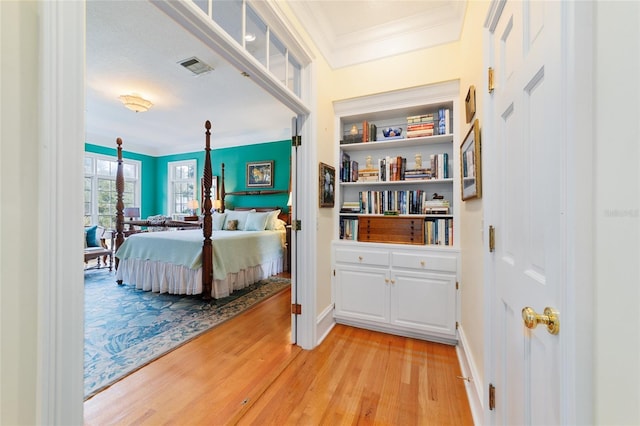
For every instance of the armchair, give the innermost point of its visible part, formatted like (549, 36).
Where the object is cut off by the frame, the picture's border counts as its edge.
(96, 246)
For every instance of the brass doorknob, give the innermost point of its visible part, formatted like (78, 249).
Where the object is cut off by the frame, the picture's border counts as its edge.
(550, 318)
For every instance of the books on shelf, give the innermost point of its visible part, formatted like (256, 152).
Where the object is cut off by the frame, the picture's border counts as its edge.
(349, 228)
(401, 201)
(439, 232)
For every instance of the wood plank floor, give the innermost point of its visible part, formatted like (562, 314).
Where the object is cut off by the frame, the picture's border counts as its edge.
(246, 372)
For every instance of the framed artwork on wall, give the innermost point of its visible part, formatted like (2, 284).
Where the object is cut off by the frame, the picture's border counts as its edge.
(327, 182)
(470, 168)
(260, 174)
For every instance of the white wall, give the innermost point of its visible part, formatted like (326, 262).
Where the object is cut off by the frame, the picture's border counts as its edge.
(18, 212)
(616, 324)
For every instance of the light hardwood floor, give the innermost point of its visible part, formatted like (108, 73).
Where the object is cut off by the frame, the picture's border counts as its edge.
(246, 372)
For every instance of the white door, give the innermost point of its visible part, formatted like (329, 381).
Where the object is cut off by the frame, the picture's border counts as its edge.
(527, 211)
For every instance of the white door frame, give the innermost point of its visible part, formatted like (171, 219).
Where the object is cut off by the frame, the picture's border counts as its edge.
(576, 322)
(61, 283)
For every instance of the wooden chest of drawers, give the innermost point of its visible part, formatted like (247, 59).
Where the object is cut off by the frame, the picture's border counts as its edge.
(391, 229)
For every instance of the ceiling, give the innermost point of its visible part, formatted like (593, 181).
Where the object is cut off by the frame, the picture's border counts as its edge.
(133, 47)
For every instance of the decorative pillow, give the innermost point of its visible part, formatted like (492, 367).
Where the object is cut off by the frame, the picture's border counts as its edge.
(218, 221)
(271, 221)
(231, 225)
(256, 221)
(281, 225)
(239, 215)
(93, 239)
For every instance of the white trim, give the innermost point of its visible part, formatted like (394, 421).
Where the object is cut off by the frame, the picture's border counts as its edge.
(474, 387)
(60, 278)
(324, 323)
(171, 165)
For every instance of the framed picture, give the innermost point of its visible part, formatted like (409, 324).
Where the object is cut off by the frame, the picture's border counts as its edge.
(260, 174)
(327, 189)
(470, 103)
(470, 170)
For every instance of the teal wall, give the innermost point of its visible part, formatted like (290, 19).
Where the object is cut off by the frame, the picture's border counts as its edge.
(155, 171)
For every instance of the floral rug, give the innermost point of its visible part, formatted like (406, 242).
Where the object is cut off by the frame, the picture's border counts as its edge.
(126, 328)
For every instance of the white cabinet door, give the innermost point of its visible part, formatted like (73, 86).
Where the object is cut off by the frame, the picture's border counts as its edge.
(362, 293)
(424, 302)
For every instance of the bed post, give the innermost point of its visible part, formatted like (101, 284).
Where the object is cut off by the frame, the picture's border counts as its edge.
(207, 225)
(222, 191)
(119, 202)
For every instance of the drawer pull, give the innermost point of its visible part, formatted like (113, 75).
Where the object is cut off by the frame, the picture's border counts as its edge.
(422, 263)
(360, 258)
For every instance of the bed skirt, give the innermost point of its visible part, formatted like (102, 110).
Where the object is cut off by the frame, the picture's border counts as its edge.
(162, 277)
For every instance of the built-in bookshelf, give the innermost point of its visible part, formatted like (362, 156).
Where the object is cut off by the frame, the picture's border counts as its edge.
(395, 255)
(397, 169)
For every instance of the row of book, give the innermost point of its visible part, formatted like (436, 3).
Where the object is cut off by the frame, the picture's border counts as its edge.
(436, 231)
(402, 202)
(390, 169)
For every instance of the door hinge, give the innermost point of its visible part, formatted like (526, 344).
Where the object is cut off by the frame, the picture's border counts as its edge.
(457, 285)
(334, 272)
(457, 325)
(492, 238)
(492, 397)
(296, 225)
(490, 84)
(296, 309)
(296, 141)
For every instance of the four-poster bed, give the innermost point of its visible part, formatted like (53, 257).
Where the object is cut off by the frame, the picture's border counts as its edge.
(212, 260)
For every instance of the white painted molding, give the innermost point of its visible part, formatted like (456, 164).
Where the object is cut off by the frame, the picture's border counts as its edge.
(60, 277)
(473, 386)
(324, 324)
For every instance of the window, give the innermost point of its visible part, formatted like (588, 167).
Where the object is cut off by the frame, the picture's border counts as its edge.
(100, 194)
(182, 186)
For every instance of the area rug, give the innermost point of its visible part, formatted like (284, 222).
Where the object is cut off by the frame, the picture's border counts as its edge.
(126, 328)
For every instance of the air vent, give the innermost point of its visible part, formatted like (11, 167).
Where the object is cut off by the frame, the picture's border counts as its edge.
(196, 66)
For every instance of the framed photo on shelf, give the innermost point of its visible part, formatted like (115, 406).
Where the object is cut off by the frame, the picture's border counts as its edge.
(260, 174)
(327, 188)
(470, 167)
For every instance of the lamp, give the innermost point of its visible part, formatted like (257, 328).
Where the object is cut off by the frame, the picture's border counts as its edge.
(193, 205)
(217, 205)
(136, 103)
(289, 204)
(132, 212)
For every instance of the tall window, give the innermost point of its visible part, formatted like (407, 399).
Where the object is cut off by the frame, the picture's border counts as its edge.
(100, 195)
(182, 185)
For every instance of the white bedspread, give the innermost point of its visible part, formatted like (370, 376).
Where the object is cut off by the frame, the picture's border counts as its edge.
(171, 261)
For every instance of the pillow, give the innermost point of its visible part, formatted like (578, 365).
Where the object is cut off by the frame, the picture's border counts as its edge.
(93, 239)
(281, 225)
(239, 215)
(271, 221)
(231, 225)
(256, 221)
(218, 221)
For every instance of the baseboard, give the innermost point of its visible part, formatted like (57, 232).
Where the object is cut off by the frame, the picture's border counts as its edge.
(324, 324)
(474, 385)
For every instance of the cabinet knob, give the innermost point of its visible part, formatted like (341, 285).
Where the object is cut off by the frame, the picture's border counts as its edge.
(386, 280)
(393, 282)
(360, 258)
(422, 263)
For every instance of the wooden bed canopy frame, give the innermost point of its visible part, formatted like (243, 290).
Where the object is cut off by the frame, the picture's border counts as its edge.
(207, 204)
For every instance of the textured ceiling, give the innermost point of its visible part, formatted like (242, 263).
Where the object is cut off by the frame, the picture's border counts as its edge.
(133, 47)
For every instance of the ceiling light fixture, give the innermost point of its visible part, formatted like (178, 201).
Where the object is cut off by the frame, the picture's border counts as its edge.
(136, 103)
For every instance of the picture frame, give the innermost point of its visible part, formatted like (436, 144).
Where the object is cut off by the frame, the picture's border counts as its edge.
(470, 103)
(327, 185)
(470, 163)
(260, 174)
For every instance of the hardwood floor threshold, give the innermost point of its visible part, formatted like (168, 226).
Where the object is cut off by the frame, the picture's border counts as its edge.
(266, 385)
